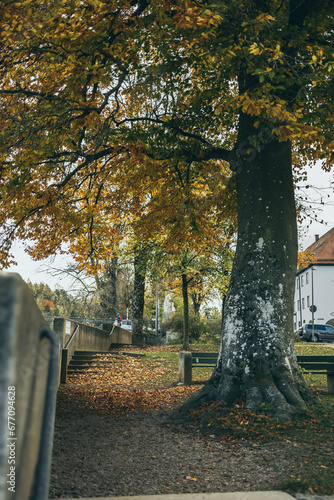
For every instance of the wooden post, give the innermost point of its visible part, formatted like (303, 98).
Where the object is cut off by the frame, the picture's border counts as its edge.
(185, 368)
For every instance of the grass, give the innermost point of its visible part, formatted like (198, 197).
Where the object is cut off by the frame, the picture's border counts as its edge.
(305, 443)
(169, 360)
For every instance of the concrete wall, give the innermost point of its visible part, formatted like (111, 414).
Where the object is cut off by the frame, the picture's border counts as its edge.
(29, 359)
(74, 336)
(88, 338)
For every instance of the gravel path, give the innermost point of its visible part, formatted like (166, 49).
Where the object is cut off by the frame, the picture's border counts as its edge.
(135, 453)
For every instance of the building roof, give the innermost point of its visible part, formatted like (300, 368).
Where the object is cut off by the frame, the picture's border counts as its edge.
(323, 248)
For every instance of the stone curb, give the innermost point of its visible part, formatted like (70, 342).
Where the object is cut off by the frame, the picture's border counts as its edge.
(237, 495)
(241, 495)
(309, 496)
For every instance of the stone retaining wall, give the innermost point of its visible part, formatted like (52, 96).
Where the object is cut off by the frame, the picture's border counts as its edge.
(74, 336)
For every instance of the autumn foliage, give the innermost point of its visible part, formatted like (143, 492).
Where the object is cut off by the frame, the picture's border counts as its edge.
(305, 258)
(121, 118)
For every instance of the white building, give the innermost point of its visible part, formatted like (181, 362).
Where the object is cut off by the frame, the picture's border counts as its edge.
(315, 285)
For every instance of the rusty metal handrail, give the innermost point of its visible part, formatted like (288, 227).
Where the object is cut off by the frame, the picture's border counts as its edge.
(72, 337)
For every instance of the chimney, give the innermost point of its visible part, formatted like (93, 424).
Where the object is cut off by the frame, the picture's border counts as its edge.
(316, 237)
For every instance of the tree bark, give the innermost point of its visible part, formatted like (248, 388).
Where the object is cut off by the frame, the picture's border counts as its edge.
(138, 300)
(257, 360)
(107, 289)
(185, 312)
(197, 300)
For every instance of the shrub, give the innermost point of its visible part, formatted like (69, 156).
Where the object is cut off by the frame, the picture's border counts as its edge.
(199, 329)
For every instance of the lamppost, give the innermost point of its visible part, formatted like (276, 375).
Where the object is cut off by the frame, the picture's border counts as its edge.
(300, 302)
(313, 308)
(157, 309)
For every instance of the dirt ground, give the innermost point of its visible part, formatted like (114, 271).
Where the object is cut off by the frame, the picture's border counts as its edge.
(143, 452)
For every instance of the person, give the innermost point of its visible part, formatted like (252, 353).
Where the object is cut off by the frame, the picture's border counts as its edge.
(119, 320)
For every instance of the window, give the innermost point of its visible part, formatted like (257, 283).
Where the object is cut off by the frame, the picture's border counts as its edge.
(307, 281)
(298, 282)
(302, 280)
(298, 305)
(303, 303)
(308, 301)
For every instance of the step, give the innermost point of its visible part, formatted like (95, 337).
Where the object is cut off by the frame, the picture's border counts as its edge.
(79, 371)
(81, 361)
(75, 372)
(72, 371)
(92, 353)
(90, 361)
(85, 366)
(79, 355)
(84, 356)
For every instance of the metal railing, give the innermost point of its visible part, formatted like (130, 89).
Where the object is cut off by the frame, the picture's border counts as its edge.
(72, 337)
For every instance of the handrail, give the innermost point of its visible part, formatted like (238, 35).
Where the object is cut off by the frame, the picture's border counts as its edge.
(45, 449)
(72, 337)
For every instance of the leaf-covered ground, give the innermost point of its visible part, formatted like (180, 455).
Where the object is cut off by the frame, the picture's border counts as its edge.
(114, 435)
(121, 382)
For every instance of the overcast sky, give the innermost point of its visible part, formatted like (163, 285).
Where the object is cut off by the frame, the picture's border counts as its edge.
(321, 200)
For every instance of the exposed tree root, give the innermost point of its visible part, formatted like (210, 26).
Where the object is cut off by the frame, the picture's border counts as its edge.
(285, 393)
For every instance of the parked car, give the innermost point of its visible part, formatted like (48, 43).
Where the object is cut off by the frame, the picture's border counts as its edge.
(126, 324)
(321, 333)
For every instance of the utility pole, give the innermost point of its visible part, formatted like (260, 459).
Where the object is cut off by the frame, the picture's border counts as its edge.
(313, 307)
(157, 308)
(300, 303)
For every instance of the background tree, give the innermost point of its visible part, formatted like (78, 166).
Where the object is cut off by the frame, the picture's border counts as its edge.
(59, 302)
(106, 284)
(125, 287)
(137, 311)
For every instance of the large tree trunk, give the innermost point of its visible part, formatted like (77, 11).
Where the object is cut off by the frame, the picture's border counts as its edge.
(107, 288)
(185, 312)
(257, 359)
(197, 299)
(138, 300)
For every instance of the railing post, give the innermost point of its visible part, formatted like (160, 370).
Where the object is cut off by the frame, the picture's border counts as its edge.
(63, 371)
(185, 367)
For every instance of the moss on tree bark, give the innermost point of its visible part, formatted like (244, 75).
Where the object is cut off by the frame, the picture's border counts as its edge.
(257, 359)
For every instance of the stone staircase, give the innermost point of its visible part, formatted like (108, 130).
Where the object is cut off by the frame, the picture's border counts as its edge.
(82, 360)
